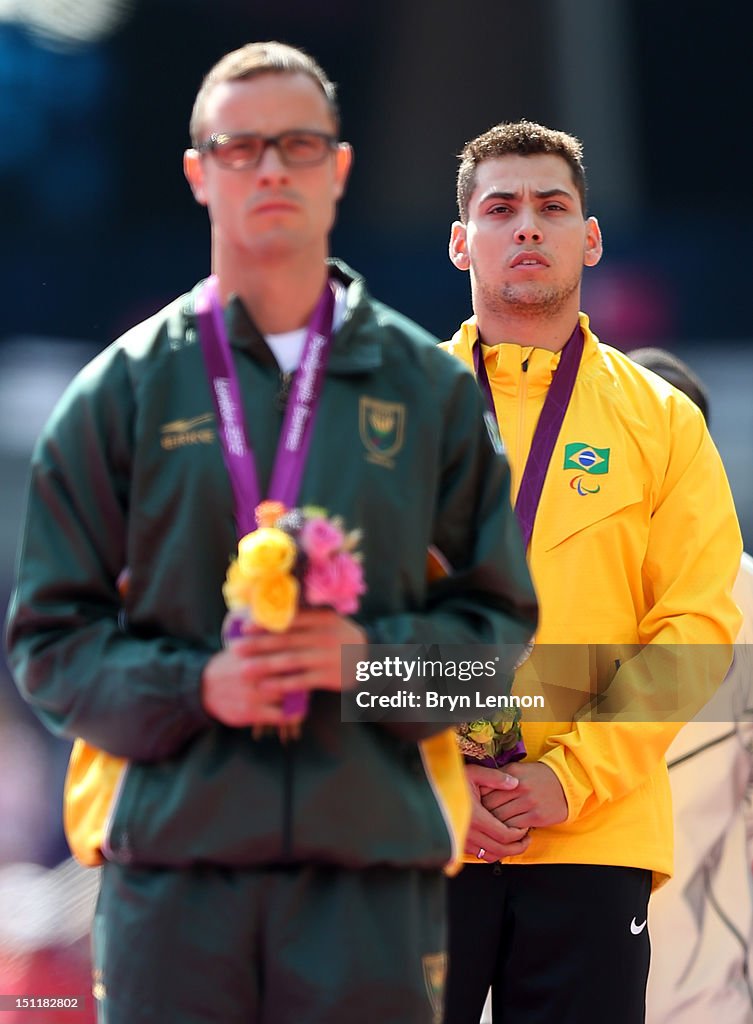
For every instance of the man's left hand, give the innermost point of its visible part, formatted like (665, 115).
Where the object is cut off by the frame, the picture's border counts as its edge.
(538, 800)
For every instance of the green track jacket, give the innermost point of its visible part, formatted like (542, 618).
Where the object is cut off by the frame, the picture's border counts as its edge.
(129, 472)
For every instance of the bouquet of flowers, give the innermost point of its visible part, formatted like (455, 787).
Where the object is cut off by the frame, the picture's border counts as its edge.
(493, 742)
(295, 558)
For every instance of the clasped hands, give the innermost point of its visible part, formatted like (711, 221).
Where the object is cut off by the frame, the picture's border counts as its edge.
(246, 683)
(507, 803)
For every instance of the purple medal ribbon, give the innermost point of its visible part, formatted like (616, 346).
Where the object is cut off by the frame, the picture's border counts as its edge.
(547, 429)
(298, 424)
(297, 427)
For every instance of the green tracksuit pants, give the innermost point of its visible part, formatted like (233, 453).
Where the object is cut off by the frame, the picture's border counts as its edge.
(298, 945)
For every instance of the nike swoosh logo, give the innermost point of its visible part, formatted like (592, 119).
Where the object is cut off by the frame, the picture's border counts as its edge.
(636, 929)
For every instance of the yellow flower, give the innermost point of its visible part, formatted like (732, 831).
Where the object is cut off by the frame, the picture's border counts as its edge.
(236, 589)
(274, 601)
(480, 731)
(266, 552)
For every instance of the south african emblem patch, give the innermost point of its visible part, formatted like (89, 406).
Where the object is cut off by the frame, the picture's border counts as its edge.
(382, 428)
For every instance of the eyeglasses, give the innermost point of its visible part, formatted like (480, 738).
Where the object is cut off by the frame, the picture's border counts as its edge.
(245, 150)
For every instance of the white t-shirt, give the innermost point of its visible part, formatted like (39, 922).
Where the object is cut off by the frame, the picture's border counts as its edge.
(288, 346)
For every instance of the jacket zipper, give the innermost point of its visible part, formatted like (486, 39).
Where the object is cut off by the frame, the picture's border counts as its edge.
(522, 400)
(286, 379)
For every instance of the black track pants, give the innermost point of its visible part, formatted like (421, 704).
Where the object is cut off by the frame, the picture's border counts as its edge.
(558, 944)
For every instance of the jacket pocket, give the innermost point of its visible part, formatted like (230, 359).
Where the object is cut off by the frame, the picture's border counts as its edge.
(582, 503)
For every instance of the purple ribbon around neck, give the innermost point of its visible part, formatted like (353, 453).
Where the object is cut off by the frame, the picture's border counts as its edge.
(532, 483)
(298, 424)
(547, 429)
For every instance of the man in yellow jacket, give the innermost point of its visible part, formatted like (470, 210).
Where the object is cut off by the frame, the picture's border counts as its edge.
(633, 545)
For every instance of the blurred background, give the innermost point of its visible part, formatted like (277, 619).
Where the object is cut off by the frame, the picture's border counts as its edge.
(99, 228)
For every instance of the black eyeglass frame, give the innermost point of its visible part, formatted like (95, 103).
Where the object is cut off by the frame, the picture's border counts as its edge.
(218, 139)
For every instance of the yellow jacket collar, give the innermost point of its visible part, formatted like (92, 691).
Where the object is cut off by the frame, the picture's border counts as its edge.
(504, 362)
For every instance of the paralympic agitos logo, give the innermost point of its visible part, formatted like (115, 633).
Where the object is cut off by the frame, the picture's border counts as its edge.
(590, 461)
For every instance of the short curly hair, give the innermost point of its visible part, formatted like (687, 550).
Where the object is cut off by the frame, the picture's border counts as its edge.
(518, 138)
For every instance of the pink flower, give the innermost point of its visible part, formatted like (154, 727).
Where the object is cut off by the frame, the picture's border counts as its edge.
(337, 583)
(320, 538)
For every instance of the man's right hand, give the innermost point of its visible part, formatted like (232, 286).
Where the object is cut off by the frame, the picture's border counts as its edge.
(486, 833)
(233, 692)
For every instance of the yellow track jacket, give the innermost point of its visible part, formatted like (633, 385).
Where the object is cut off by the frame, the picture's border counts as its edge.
(636, 542)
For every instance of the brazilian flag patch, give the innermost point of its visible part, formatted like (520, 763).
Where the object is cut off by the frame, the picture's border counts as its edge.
(587, 458)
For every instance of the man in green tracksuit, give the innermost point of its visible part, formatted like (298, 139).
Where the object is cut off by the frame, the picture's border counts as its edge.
(247, 880)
